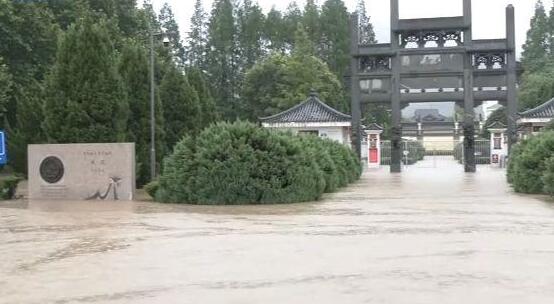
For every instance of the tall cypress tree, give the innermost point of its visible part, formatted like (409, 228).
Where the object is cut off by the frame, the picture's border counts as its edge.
(197, 39)
(367, 34)
(181, 107)
(222, 59)
(274, 31)
(536, 47)
(292, 17)
(85, 99)
(171, 31)
(134, 70)
(208, 110)
(335, 42)
(5, 87)
(311, 22)
(251, 24)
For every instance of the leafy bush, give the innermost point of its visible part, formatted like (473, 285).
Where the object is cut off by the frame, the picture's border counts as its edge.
(528, 163)
(8, 186)
(241, 163)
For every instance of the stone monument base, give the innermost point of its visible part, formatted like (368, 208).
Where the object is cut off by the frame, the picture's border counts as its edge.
(82, 171)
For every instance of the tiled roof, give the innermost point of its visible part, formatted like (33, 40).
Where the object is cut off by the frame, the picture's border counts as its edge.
(311, 110)
(496, 125)
(546, 110)
(374, 127)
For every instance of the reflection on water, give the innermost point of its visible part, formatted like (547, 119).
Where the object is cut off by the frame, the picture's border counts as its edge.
(428, 235)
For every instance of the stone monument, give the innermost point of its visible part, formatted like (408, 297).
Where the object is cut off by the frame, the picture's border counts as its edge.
(82, 171)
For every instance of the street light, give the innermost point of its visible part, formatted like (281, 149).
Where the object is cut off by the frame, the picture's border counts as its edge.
(152, 103)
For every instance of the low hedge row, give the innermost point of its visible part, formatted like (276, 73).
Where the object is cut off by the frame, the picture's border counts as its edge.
(531, 166)
(241, 163)
(8, 186)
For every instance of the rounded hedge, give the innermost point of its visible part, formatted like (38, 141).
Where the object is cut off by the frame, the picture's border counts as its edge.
(241, 163)
(530, 164)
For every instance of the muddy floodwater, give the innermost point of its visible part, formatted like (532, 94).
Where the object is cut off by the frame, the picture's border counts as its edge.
(429, 235)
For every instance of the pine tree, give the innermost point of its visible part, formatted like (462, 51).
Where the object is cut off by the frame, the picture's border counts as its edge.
(85, 100)
(274, 31)
(536, 47)
(170, 29)
(134, 70)
(251, 21)
(208, 110)
(335, 43)
(292, 17)
(196, 49)
(222, 59)
(366, 32)
(181, 107)
(311, 21)
(5, 88)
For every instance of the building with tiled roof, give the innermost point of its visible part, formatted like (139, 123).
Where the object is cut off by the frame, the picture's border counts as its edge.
(534, 120)
(314, 117)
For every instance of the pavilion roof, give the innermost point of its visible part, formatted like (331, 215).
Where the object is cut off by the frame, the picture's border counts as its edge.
(546, 110)
(310, 111)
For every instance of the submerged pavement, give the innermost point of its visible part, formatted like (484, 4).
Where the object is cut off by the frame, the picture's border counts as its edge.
(432, 234)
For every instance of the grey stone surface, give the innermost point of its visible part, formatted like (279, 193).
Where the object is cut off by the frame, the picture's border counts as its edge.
(82, 171)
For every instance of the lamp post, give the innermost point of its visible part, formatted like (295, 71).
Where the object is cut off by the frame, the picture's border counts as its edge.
(153, 104)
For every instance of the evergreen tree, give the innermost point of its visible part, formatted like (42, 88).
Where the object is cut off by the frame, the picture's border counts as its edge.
(335, 41)
(366, 32)
(5, 88)
(536, 47)
(208, 110)
(170, 29)
(311, 21)
(292, 17)
(251, 21)
(85, 100)
(282, 81)
(181, 107)
(274, 31)
(222, 59)
(197, 37)
(134, 70)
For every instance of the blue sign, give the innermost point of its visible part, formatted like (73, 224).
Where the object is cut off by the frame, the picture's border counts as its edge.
(3, 152)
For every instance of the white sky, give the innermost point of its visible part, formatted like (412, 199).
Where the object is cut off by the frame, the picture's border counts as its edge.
(488, 15)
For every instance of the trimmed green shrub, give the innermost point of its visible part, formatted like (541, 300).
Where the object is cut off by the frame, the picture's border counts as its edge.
(529, 161)
(320, 151)
(151, 188)
(548, 176)
(8, 186)
(241, 163)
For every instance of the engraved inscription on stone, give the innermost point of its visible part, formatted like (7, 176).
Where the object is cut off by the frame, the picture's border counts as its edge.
(53, 192)
(51, 169)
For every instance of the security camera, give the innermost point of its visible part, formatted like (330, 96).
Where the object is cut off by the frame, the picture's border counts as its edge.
(166, 41)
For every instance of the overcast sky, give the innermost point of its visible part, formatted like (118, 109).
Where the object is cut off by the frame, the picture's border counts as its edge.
(488, 15)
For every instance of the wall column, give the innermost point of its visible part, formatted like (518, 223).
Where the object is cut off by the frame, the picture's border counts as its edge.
(512, 77)
(396, 140)
(469, 103)
(355, 86)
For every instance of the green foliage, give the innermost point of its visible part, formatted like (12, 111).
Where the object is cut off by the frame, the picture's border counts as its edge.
(85, 99)
(536, 46)
(208, 110)
(280, 82)
(181, 108)
(197, 37)
(241, 163)
(548, 176)
(8, 186)
(537, 88)
(500, 115)
(528, 163)
(5, 88)
(335, 30)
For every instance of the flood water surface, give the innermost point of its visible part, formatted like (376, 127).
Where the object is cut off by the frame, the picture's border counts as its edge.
(428, 235)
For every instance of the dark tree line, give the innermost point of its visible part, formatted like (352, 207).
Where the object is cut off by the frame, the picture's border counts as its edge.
(77, 71)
